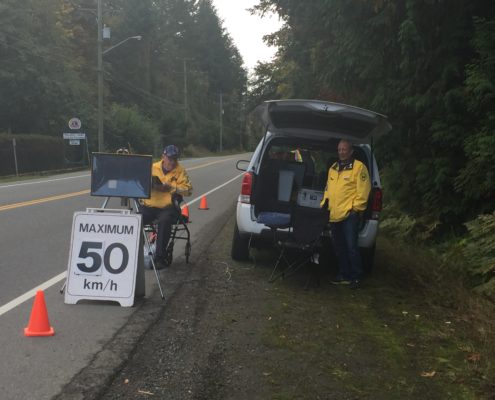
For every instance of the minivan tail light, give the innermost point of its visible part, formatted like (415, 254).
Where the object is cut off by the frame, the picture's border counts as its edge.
(246, 187)
(376, 203)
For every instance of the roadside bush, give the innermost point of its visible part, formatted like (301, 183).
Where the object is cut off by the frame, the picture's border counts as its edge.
(471, 257)
(479, 251)
(406, 227)
(127, 127)
(192, 150)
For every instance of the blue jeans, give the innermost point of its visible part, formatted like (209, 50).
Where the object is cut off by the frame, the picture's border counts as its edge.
(165, 218)
(345, 237)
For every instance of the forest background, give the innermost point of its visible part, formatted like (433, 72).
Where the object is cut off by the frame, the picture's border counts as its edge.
(427, 64)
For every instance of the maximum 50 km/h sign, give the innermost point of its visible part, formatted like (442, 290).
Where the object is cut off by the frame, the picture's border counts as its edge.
(103, 257)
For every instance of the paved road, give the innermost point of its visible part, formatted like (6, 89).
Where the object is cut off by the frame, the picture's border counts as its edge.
(36, 220)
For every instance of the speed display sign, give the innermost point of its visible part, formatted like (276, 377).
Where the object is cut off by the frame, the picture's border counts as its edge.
(103, 257)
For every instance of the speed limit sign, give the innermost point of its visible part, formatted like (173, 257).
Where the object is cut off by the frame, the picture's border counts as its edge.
(103, 257)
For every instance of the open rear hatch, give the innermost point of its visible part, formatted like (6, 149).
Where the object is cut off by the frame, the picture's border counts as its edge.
(308, 118)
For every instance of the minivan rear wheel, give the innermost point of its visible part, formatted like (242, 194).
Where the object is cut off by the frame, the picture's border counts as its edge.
(240, 246)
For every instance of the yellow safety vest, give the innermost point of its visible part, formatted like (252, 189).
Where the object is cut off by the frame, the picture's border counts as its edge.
(347, 190)
(177, 179)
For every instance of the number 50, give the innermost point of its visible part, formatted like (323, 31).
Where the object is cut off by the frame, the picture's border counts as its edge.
(86, 252)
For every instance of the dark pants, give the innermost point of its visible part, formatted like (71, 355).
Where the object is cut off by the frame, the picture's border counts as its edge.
(165, 218)
(345, 237)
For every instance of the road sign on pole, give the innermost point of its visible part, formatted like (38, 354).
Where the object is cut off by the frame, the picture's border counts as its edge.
(74, 136)
(75, 123)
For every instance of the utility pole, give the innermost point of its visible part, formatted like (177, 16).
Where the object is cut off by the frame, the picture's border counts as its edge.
(242, 122)
(101, 145)
(221, 120)
(185, 96)
(101, 141)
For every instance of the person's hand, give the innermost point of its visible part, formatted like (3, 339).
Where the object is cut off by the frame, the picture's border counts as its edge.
(164, 187)
(359, 214)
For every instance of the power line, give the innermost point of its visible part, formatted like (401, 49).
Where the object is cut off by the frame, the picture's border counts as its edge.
(34, 50)
(125, 82)
(145, 94)
(51, 56)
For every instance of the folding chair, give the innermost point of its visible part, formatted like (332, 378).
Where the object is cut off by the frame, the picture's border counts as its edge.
(275, 221)
(307, 226)
(180, 231)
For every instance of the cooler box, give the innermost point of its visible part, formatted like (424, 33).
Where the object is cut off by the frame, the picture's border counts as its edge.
(309, 198)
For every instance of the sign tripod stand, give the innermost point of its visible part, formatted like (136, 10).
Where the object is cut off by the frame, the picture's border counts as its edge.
(149, 249)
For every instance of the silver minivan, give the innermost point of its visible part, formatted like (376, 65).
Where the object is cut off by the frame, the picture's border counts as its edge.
(301, 136)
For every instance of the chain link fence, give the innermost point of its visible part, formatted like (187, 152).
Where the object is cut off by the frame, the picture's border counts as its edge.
(35, 153)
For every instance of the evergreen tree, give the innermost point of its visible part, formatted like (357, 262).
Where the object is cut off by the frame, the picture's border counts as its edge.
(428, 65)
(40, 87)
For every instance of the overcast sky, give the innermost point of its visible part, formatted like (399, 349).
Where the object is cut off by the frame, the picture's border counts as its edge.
(247, 30)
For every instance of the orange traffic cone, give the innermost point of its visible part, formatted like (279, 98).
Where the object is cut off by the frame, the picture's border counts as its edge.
(185, 212)
(38, 322)
(203, 205)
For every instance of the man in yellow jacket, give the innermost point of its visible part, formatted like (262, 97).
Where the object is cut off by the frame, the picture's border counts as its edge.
(169, 179)
(346, 196)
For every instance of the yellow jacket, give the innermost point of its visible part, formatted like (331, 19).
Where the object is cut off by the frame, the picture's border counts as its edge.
(347, 190)
(177, 178)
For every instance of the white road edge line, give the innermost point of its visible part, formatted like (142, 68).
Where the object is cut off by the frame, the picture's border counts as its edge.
(214, 189)
(68, 177)
(45, 285)
(26, 296)
(43, 181)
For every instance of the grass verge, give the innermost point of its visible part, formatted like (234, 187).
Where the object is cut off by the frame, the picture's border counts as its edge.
(410, 332)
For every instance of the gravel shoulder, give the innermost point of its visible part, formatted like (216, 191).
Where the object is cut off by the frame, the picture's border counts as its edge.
(226, 333)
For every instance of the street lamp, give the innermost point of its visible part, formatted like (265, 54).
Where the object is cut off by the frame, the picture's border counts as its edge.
(101, 145)
(139, 37)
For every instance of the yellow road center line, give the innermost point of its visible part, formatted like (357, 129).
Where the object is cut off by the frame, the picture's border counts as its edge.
(31, 293)
(83, 192)
(43, 200)
(210, 163)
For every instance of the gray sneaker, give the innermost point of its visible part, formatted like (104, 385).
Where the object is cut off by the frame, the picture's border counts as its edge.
(355, 284)
(160, 263)
(338, 280)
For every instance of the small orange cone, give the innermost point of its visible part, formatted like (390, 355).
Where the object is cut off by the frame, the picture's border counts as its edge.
(39, 325)
(203, 205)
(185, 212)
